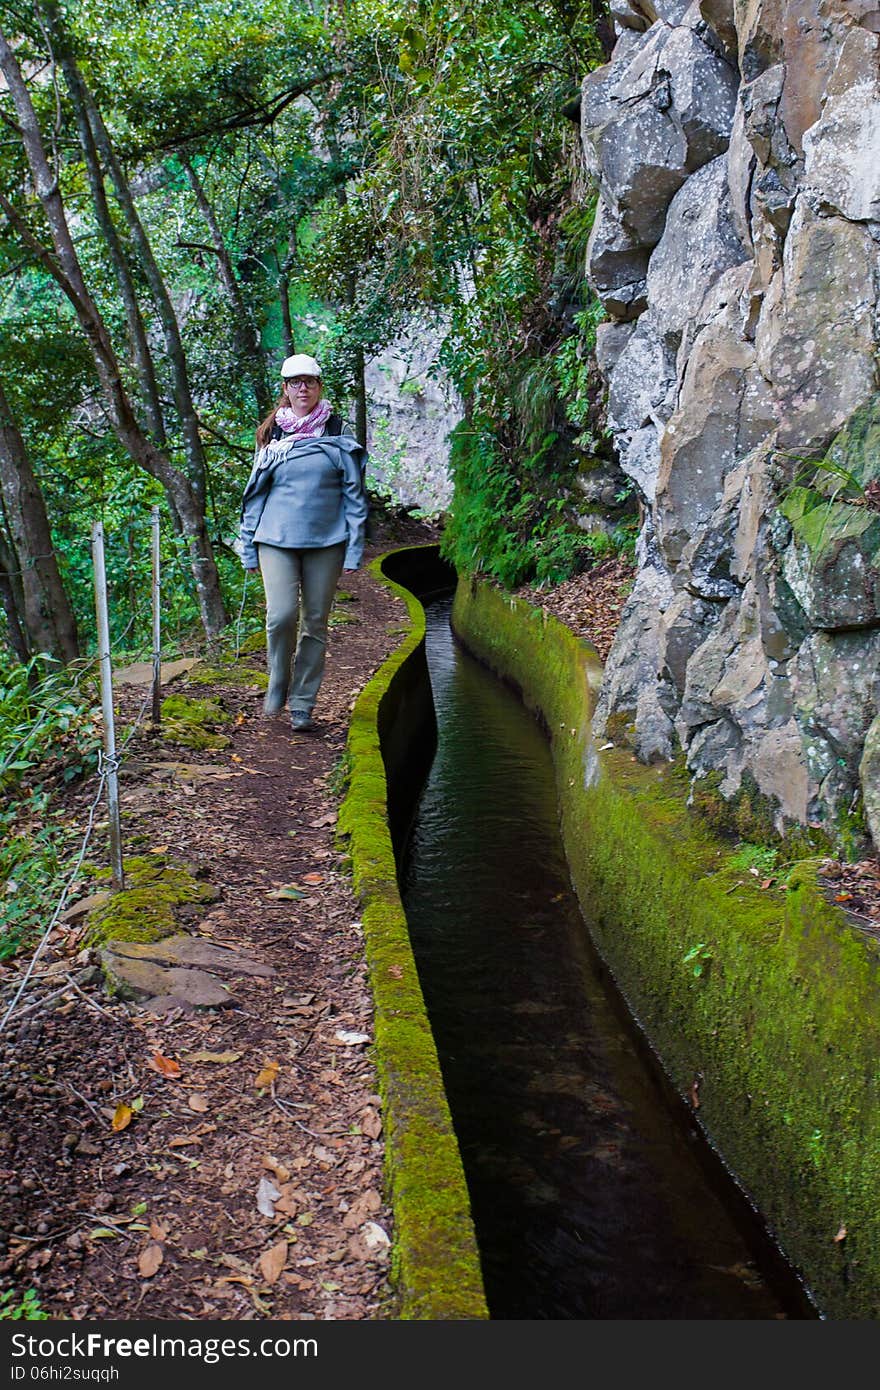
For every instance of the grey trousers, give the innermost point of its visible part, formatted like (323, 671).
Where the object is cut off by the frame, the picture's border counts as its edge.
(299, 586)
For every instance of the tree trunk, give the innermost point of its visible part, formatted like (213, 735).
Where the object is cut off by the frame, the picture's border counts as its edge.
(244, 334)
(11, 600)
(46, 614)
(64, 266)
(284, 293)
(140, 350)
(189, 422)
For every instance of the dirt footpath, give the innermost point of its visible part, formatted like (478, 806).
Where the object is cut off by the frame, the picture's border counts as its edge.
(223, 1161)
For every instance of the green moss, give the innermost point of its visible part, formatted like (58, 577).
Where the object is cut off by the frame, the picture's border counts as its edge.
(783, 1022)
(231, 674)
(145, 910)
(190, 722)
(435, 1259)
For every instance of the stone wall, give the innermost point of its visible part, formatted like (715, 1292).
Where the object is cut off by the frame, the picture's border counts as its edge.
(736, 144)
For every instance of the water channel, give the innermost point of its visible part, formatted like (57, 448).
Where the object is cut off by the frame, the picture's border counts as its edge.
(591, 1197)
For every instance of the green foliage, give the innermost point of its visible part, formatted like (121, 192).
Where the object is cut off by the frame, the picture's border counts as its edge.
(510, 519)
(698, 959)
(47, 723)
(48, 737)
(763, 858)
(27, 1307)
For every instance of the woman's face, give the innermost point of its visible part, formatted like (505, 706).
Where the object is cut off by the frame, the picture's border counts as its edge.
(303, 393)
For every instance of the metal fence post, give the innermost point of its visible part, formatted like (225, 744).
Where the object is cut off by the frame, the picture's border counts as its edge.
(110, 764)
(157, 620)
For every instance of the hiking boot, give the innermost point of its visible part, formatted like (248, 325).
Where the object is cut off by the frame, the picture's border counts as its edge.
(302, 721)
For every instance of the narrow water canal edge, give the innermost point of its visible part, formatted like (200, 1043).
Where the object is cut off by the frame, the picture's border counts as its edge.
(590, 1198)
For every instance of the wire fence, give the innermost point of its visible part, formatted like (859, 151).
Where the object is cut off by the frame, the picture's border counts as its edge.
(111, 758)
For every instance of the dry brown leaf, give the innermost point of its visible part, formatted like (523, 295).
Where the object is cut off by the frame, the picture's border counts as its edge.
(289, 1201)
(181, 1141)
(396, 972)
(272, 1261)
(158, 1230)
(841, 1235)
(267, 1075)
(281, 1172)
(165, 1066)
(122, 1117)
(313, 878)
(361, 1209)
(371, 1124)
(150, 1259)
(198, 1102)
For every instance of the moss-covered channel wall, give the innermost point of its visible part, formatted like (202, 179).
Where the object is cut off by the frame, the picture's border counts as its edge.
(763, 1006)
(436, 1260)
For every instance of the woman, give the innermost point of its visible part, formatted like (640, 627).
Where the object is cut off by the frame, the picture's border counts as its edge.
(303, 519)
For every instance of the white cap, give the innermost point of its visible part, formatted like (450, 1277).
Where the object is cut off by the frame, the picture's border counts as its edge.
(299, 365)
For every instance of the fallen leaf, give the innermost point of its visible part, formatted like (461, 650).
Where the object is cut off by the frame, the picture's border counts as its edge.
(150, 1259)
(272, 1261)
(267, 1196)
(104, 1233)
(396, 972)
(329, 819)
(221, 1058)
(122, 1116)
(272, 1163)
(371, 1124)
(158, 1230)
(313, 878)
(766, 882)
(350, 1039)
(288, 1204)
(841, 1235)
(182, 1140)
(165, 1066)
(198, 1102)
(288, 892)
(268, 1074)
(361, 1209)
(370, 1242)
(159, 849)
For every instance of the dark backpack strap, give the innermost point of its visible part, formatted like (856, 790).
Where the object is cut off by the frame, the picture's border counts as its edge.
(335, 424)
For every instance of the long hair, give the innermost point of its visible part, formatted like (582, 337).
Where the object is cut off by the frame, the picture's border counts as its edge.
(264, 428)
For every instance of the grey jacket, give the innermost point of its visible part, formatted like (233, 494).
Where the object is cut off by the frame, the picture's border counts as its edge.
(303, 494)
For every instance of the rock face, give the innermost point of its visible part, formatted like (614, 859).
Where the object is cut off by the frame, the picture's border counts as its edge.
(412, 411)
(736, 250)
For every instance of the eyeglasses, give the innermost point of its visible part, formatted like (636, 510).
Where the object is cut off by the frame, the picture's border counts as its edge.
(302, 381)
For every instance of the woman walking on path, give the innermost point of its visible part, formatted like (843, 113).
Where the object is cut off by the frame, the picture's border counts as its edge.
(303, 520)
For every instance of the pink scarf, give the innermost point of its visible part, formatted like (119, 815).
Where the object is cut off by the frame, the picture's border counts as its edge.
(303, 426)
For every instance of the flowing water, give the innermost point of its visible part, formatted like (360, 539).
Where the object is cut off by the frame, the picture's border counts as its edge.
(591, 1198)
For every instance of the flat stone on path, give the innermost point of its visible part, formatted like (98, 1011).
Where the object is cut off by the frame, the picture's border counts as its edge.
(141, 672)
(190, 950)
(179, 970)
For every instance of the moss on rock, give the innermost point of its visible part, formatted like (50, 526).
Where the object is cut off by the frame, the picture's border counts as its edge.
(145, 909)
(191, 722)
(233, 673)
